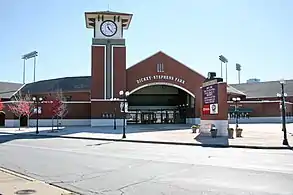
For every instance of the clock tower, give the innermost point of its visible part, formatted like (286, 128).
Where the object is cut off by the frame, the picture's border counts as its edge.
(108, 60)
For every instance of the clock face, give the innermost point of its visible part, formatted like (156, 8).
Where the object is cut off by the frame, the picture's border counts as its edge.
(108, 28)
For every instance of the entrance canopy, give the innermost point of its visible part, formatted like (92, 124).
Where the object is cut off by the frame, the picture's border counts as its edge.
(161, 69)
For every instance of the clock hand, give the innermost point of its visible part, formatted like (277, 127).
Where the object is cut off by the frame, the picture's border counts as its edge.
(109, 28)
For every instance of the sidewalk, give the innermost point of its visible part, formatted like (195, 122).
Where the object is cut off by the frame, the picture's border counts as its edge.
(13, 183)
(258, 136)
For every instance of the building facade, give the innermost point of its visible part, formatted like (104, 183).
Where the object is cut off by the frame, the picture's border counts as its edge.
(160, 89)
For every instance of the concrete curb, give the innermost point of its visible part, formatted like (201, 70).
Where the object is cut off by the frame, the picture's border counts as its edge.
(16, 174)
(162, 142)
(26, 177)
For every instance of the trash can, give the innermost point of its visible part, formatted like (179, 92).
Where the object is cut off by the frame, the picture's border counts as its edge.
(214, 131)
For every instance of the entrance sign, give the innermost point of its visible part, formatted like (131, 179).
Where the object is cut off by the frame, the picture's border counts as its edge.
(160, 77)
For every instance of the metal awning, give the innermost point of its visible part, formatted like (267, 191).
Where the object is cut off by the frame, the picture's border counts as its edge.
(242, 110)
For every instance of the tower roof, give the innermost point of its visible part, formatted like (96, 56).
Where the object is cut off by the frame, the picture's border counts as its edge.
(90, 17)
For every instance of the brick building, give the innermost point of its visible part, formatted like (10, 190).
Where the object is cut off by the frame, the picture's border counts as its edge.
(161, 89)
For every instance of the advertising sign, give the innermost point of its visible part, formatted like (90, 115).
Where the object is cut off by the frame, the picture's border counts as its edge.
(214, 108)
(206, 109)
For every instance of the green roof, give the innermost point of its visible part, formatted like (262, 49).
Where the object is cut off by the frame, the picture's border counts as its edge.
(232, 109)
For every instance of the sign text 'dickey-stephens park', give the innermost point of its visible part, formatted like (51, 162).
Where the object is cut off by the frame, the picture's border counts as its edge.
(160, 77)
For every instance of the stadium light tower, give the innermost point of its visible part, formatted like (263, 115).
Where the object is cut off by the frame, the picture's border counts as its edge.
(25, 57)
(238, 68)
(224, 60)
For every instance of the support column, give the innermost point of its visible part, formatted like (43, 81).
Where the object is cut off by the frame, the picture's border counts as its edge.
(98, 70)
(108, 78)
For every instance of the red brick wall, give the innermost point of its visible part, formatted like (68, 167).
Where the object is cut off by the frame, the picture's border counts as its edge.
(119, 66)
(98, 59)
(265, 109)
(148, 67)
(75, 111)
(105, 107)
(80, 110)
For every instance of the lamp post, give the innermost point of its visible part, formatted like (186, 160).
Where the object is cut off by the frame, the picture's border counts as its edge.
(236, 100)
(114, 100)
(27, 56)
(37, 100)
(282, 96)
(224, 60)
(124, 95)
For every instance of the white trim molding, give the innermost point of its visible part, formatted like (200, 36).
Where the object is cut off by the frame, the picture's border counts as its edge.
(258, 102)
(255, 120)
(162, 83)
(47, 102)
(107, 100)
(62, 122)
(106, 122)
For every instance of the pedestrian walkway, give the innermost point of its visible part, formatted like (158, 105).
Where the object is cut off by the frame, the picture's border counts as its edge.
(15, 184)
(263, 136)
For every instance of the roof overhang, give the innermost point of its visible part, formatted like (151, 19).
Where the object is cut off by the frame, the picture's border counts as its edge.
(90, 18)
(233, 91)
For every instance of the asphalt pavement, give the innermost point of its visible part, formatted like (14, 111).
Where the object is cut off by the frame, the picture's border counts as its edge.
(110, 168)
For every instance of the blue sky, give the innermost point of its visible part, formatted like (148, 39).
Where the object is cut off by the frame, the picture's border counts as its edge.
(258, 34)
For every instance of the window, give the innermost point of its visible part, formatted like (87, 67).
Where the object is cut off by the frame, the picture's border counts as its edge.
(160, 67)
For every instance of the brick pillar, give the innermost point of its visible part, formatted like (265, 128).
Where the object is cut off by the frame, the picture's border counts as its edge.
(98, 65)
(119, 69)
(108, 78)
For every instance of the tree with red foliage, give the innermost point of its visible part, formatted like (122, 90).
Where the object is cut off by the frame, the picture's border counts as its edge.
(21, 106)
(1, 105)
(58, 107)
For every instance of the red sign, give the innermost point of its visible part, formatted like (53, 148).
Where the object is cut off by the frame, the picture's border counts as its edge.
(206, 109)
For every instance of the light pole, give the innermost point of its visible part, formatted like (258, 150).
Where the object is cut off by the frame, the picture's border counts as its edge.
(114, 100)
(37, 100)
(236, 100)
(224, 60)
(27, 56)
(282, 96)
(238, 68)
(124, 95)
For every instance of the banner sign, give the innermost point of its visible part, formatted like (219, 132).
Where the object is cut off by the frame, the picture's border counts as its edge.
(210, 94)
(210, 99)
